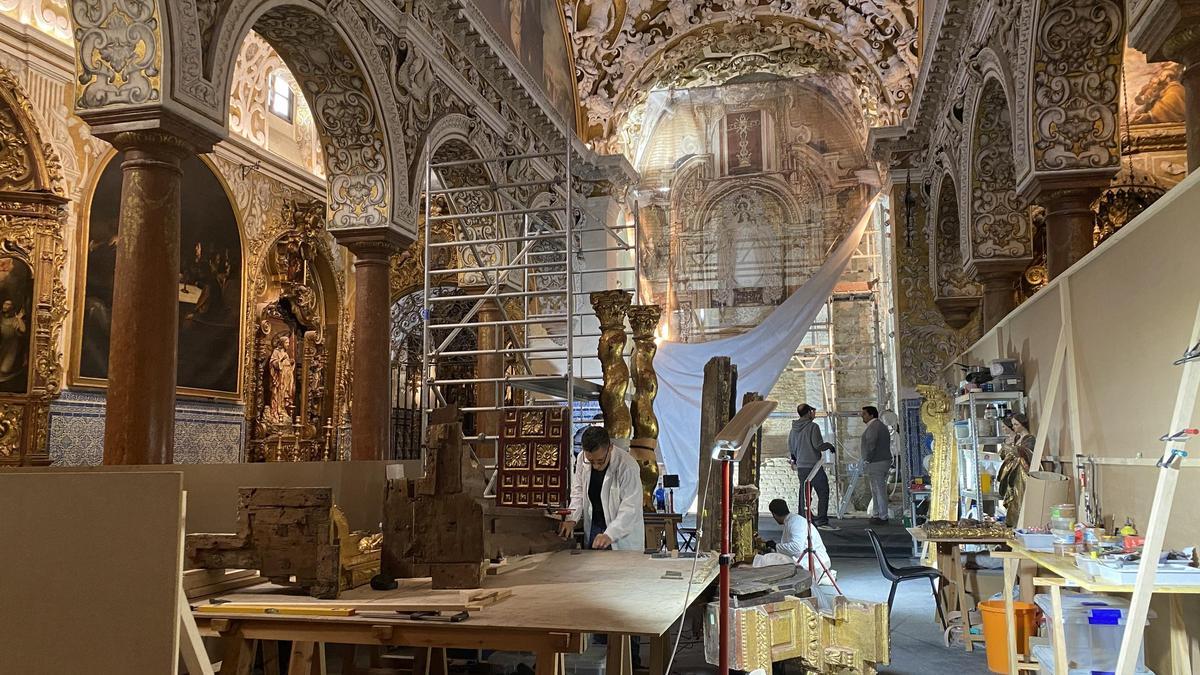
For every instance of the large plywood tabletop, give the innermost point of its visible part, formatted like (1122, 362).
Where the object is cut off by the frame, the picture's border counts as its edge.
(621, 592)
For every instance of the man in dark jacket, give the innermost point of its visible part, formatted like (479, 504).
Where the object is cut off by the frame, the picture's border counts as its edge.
(805, 449)
(877, 460)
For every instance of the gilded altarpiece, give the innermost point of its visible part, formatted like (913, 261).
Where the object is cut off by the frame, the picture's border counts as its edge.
(534, 451)
(290, 411)
(33, 299)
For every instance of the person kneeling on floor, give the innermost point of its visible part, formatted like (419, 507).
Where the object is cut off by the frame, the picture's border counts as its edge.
(794, 542)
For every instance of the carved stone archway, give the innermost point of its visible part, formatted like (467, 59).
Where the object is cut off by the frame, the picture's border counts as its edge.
(999, 242)
(956, 294)
(33, 299)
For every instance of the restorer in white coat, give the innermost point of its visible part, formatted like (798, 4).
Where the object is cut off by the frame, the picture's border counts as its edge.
(606, 495)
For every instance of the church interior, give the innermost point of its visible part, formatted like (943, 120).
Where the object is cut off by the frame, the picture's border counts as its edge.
(370, 337)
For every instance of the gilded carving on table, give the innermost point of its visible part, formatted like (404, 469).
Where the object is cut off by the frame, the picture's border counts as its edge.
(33, 298)
(611, 308)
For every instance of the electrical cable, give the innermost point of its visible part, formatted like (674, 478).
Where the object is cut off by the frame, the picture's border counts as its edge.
(695, 558)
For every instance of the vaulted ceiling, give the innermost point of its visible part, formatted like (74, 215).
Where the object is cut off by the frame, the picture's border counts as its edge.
(625, 48)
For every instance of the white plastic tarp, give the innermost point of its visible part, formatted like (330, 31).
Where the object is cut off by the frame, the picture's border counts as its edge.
(760, 354)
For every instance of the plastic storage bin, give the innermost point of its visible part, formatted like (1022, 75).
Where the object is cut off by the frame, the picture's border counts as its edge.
(1092, 629)
(1045, 658)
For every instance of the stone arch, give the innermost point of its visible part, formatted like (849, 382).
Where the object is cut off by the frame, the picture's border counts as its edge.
(956, 294)
(347, 88)
(999, 225)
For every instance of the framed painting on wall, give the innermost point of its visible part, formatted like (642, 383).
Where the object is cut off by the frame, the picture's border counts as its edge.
(210, 284)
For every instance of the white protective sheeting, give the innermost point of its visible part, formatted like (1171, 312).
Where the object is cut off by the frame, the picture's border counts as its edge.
(760, 355)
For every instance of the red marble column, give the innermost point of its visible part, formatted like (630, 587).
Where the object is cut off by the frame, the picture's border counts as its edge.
(140, 418)
(999, 295)
(1069, 225)
(370, 389)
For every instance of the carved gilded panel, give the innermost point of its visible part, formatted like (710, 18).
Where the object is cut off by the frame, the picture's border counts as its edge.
(535, 448)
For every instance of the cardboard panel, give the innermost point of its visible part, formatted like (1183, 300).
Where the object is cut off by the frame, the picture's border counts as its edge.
(89, 572)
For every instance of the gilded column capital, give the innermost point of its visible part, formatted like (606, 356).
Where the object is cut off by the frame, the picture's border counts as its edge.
(152, 140)
(611, 308)
(643, 319)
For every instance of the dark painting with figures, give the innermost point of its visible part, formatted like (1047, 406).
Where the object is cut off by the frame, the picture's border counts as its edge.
(210, 282)
(16, 314)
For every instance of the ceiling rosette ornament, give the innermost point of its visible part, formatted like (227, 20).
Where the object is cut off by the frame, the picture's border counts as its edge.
(625, 47)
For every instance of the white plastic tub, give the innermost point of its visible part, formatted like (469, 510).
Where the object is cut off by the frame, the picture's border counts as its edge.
(1093, 626)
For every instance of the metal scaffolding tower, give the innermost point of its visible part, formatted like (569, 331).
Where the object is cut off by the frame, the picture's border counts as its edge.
(522, 269)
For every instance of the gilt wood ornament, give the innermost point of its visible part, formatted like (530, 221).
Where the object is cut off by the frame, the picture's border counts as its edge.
(611, 307)
(643, 320)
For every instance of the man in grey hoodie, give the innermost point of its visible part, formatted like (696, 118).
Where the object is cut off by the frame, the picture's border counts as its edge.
(805, 448)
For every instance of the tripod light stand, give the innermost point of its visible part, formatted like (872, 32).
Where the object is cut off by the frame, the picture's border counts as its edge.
(728, 448)
(809, 551)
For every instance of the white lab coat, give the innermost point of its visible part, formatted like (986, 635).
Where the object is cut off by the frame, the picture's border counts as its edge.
(621, 498)
(795, 540)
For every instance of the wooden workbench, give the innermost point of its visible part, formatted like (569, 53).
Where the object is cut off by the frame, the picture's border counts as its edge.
(553, 606)
(949, 557)
(1067, 575)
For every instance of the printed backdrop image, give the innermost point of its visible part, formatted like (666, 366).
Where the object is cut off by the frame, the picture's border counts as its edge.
(210, 281)
(533, 29)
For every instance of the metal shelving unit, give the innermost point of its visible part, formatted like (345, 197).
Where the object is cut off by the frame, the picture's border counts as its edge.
(982, 433)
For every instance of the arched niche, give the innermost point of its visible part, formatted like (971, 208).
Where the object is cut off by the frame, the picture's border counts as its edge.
(212, 279)
(33, 299)
(293, 406)
(1000, 234)
(956, 294)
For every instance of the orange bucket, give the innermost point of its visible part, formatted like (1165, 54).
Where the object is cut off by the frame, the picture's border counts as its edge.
(995, 631)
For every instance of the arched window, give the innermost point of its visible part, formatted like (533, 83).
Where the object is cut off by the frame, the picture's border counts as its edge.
(282, 101)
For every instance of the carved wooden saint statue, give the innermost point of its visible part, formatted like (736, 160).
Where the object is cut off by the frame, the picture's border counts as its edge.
(282, 374)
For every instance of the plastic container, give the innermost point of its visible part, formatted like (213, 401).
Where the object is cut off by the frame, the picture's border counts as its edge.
(1036, 541)
(1044, 654)
(1168, 575)
(995, 631)
(1092, 629)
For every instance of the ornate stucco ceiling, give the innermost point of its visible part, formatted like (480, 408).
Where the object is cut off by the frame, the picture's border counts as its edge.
(625, 48)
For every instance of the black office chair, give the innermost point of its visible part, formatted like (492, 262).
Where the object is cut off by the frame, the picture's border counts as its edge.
(898, 574)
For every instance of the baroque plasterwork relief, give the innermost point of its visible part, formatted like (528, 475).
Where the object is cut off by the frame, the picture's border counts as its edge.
(621, 46)
(339, 95)
(1076, 85)
(949, 278)
(119, 52)
(1000, 227)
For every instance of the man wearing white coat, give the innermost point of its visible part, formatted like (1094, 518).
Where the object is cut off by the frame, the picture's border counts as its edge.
(606, 495)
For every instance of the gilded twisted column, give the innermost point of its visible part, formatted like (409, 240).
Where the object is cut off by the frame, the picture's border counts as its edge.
(610, 308)
(643, 319)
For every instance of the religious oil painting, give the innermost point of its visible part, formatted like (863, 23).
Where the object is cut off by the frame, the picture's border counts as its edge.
(533, 29)
(16, 318)
(209, 285)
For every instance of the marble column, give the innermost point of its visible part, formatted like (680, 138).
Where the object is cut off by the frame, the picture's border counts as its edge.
(1069, 225)
(999, 295)
(488, 365)
(370, 391)
(140, 416)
